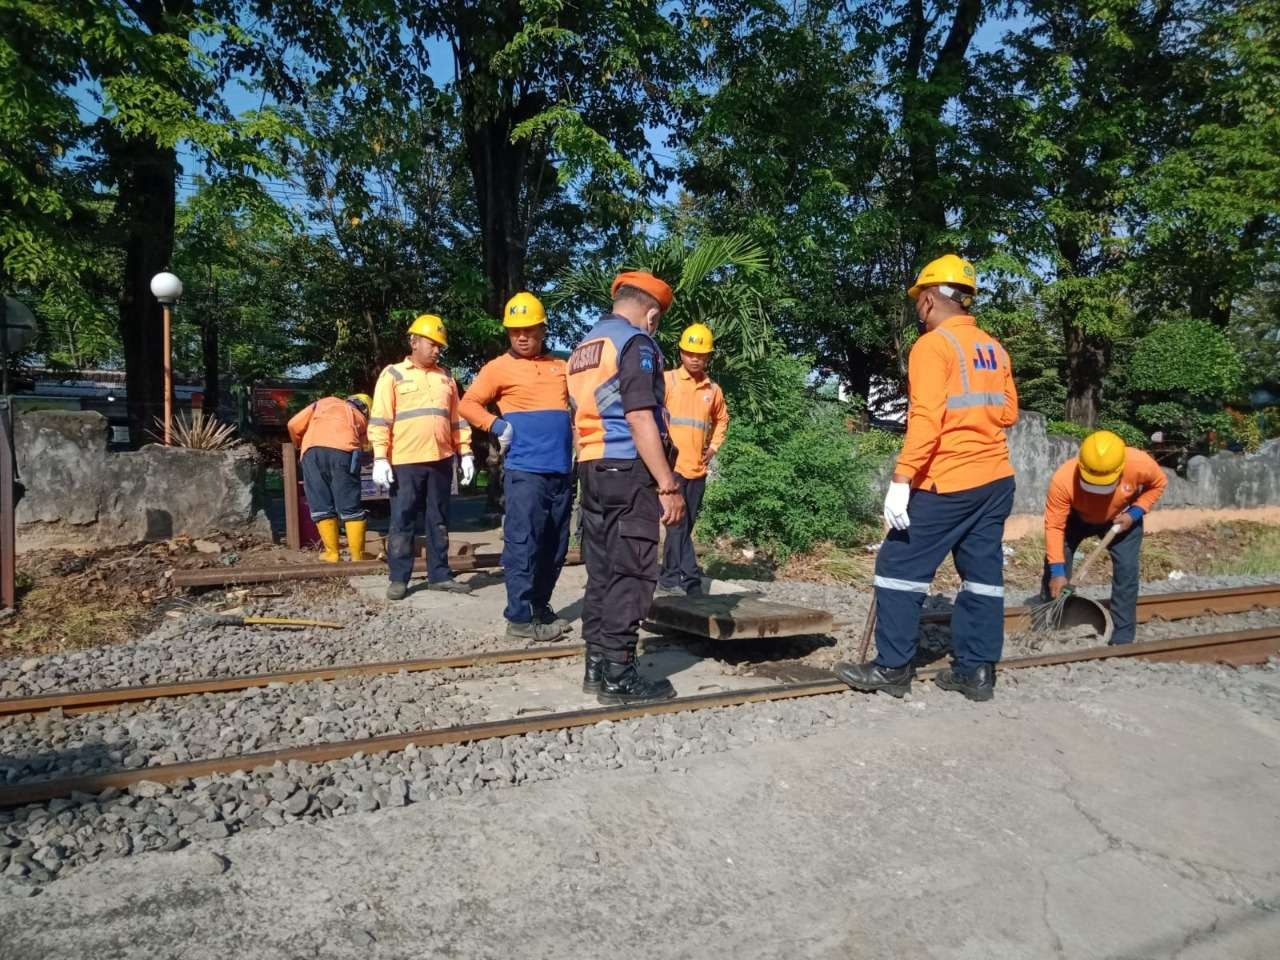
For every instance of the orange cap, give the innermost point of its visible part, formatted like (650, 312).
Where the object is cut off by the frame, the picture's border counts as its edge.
(646, 282)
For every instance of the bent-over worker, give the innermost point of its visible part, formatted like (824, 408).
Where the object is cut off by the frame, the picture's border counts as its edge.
(1107, 485)
(415, 429)
(329, 435)
(628, 486)
(534, 432)
(698, 419)
(951, 491)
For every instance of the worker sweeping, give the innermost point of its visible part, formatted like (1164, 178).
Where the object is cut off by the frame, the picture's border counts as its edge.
(1108, 484)
(628, 486)
(951, 490)
(534, 432)
(698, 419)
(329, 435)
(416, 430)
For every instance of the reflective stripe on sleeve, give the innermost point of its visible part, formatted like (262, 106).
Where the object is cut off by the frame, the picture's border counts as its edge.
(982, 589)
(910, 586)
(421, 412)
(379, 422)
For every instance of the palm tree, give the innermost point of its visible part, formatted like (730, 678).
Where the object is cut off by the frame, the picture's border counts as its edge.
(721, 281)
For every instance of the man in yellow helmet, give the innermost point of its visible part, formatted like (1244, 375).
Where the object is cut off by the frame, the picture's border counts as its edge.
(950, 493)
(416, 430)
(698, 419)
(535, 434)
(329, 435)
(1107, 485)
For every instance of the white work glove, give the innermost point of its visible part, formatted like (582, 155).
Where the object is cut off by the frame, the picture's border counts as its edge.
(468, 469)
(895, 505)
(505, 433)
(382, 475)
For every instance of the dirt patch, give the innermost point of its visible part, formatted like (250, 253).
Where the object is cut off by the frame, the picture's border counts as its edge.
(72, 599)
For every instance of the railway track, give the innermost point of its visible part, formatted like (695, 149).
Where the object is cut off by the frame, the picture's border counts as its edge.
(1237, 648)
(1169, 606)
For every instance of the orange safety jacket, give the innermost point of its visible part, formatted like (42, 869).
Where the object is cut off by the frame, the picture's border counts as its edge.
(698, 419)
(599, 422)
(962, 399)
(329, 422)
(415, 415)
(1140, 486)
(533, 395)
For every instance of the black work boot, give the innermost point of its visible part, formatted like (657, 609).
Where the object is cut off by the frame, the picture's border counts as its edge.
(540, 632)
(980, 684)
(622, 684)
(449, 586)
(396, 590)
(550, 618)
(871, 677)
(593, 675)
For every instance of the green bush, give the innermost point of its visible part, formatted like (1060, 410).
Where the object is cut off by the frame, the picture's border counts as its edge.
(797, 476)
(1127, 432)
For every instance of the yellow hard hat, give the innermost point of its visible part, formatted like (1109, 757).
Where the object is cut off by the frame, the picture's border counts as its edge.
(523, 310)
(697, 338)
(948, 269)
(1101, 459)
(432, 327)
(363, 399)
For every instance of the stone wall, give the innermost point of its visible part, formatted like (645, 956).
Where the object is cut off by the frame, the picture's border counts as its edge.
(77, 492)
(1223, 480)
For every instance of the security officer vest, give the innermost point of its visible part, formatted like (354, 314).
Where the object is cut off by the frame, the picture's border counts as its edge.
(595, 392)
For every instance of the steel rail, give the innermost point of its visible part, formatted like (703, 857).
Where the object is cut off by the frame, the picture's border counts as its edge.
(88, 701)
(1238, 647)
(1171, 606)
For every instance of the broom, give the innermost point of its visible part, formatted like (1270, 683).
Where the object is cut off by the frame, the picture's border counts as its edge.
(1048, 616)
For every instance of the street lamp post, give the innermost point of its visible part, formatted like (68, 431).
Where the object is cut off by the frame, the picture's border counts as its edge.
(167, 289)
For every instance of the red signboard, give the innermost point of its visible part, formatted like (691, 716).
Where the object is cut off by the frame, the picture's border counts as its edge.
(270, 406)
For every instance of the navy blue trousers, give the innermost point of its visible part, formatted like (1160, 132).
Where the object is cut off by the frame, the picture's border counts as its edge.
(679, 561)
(1125, 550)
(332, 486)
(419, 488)
(968, 525)
(535, 538)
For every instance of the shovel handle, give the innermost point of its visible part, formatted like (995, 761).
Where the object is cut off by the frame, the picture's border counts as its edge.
(1097, 551)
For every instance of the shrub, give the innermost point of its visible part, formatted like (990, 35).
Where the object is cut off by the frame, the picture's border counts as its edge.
(798, 476)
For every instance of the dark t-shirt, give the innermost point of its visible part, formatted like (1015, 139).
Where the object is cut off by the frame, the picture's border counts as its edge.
(640, 375)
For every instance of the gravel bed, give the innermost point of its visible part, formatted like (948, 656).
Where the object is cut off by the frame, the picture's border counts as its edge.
(191, 649)
(40, 842)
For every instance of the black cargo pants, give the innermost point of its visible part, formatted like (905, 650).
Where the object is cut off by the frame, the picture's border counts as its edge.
(620, 519)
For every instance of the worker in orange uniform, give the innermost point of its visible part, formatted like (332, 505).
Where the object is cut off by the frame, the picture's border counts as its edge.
(534, 432)
(1107, 485)
(951, 491)
(628, 486)
(416, 429)
(698, 419)
(329, 435)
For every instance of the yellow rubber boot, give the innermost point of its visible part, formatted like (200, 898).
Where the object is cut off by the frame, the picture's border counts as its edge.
(355, 539)
(329, 537)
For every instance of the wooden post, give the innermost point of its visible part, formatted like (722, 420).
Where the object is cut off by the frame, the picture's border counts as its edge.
(8, 546)
(168, 375)
(292, 532)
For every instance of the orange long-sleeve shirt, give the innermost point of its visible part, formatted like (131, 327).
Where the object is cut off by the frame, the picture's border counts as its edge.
(415, 416)
(533, 395)
(1141, 485)
(698, 420)
(962, 399)
(329, 422)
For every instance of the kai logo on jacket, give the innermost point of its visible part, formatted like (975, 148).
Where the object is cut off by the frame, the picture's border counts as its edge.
(985, 357)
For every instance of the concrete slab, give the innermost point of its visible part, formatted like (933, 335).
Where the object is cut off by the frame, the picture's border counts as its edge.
(736, 617)
(482, 609)
(1128, 826)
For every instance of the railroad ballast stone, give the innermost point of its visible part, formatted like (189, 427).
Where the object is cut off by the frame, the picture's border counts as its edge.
(120, 824)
